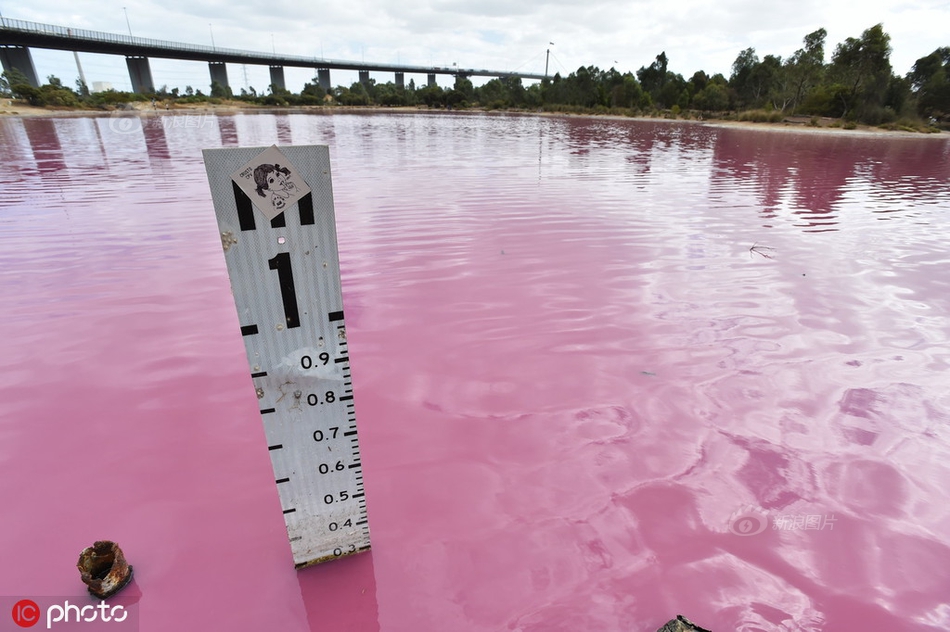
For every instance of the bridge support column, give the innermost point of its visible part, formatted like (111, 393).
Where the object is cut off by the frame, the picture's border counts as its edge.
(18, 57)
(141, 75)
(219, 73)
(400, 80)
(364, 77)
(277, 78)
(323, 77)
(431, 82)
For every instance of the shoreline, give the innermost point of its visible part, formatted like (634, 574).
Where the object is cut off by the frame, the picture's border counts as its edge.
(799, 124)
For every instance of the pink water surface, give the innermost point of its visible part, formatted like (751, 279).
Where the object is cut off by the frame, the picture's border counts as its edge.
(572, 375)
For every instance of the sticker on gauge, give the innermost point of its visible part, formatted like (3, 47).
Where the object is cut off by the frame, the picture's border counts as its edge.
(271, 182)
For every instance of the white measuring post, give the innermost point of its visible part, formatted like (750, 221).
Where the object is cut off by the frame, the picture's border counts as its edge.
(285, 277)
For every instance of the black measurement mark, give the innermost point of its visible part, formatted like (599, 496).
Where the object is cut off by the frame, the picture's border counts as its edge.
(299, 537)
(359, 495)
(335, 316)
(261, 374)
(342, 359)
(279, 446)
(283, 480)
(287, 511)
(306, 209)
(248, 330)
(346, 398)
(267, 411)
(349, 434)
(288, 293)
(355, 465)
(245, 209)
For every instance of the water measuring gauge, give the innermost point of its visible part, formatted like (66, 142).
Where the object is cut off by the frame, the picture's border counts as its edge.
(275, 213)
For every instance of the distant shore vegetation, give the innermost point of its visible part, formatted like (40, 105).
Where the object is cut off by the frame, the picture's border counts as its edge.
(857, 86)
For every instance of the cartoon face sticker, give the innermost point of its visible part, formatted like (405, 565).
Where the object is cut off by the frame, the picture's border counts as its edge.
(271, 181)
(275, 182)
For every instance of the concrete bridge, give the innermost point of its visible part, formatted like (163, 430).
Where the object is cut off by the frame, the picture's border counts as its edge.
(18, 36)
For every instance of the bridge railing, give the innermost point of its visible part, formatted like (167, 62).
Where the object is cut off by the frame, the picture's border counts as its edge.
(36, 28)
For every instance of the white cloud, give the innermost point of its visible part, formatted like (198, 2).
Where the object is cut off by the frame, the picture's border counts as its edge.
(490, 34)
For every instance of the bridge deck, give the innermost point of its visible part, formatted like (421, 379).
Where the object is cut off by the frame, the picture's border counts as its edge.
(35, 35)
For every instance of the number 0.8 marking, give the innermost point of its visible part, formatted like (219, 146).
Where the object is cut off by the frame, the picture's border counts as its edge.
(329, 397)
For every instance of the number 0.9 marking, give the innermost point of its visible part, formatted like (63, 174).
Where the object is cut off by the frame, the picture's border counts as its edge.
(288, 293)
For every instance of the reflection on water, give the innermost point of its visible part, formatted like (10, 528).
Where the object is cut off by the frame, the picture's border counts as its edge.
(575, 376)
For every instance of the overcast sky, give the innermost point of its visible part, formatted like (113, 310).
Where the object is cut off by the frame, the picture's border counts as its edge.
(491, 34)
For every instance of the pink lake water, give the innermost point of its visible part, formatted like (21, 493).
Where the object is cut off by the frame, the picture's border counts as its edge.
(605, 372)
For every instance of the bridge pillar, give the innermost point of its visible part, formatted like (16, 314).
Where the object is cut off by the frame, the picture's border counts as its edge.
(323, 78)
(277, 78)
(400, 80)
(431, 83)
(18, 57)
(141, 74)
(219, 73)
(364, 77)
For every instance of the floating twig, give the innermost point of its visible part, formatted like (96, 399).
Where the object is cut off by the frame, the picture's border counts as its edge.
(757, 249)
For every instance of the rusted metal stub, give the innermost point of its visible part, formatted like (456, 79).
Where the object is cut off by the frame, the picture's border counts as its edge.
(104, 569)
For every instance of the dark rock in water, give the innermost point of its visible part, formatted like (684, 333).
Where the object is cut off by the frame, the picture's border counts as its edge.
(682, 624)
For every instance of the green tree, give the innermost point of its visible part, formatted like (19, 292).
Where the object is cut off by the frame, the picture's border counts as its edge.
(653, 77)
(219, 91)
(673, 92)
(493, 94)
(742, 69)
(81, 88)
(863, 67)
(698, 81)
(432, 96)
(803, 70)
(465, 88)
(10, 78)
(313, 89)
(627, 93)
(714, 97)
(930, 82)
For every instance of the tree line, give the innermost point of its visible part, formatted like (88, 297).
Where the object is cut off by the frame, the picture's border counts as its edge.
(857, 84)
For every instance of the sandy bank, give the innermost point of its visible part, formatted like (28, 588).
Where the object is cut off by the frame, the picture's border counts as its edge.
(798, 124)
